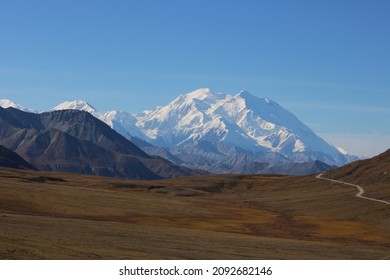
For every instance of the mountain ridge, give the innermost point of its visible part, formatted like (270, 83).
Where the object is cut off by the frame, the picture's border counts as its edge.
(231, 122)
(11, 159)
(75, 141)
(6, 103)
(205, 130)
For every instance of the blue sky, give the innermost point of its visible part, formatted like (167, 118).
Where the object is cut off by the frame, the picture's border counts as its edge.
(328, 62)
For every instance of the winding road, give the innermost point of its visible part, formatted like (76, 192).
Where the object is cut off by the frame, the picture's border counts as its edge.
(359, 194)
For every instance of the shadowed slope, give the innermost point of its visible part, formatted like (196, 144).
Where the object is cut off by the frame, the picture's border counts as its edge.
(12, 160)
(75, 141)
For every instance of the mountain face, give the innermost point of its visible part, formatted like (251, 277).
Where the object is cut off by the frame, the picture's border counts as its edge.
(222, 133)
(75, 141)
(239, 122)
(10, 159)
(123, 123)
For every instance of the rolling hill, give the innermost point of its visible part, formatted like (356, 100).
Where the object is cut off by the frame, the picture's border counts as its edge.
(373, 170)
(372, 174)
(50, 215)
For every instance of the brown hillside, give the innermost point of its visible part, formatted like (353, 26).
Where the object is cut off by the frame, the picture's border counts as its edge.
(48, 215)
(373, 174)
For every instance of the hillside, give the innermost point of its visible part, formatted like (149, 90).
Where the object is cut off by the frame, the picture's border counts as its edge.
(75, 141)
(373, 174)
(12, 160)
(46, 215)
(373, 170)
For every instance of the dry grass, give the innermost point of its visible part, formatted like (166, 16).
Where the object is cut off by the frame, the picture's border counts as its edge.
(65, 216)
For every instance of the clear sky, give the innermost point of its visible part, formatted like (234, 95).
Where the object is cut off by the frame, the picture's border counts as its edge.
(328, 62)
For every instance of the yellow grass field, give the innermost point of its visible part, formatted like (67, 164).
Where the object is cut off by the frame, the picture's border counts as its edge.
(47, 215)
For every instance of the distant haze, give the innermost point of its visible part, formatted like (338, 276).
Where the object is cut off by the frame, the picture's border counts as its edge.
(359, 144)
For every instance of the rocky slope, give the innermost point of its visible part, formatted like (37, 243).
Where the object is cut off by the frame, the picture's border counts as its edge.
(10, 159)
(75, 141)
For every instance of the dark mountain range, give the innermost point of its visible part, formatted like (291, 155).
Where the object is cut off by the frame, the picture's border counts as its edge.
(13, 160)
(298, 169)
(75, 141)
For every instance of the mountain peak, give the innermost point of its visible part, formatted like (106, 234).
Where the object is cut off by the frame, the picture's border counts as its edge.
(244, 94)
(80, 105)
(248, 96)
(201, 93)
(6, 103)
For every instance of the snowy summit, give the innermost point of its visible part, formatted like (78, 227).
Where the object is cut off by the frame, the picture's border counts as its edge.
(221, 129)
(80, 105)
(6, 103)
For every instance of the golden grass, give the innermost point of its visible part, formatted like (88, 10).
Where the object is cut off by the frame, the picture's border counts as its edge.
(66, 216)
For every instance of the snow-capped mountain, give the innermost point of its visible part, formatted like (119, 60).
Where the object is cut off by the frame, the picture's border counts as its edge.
(6, 103)
(239, 122)
(122, 122)
(80, 105)
(242, 120)
(219, 132)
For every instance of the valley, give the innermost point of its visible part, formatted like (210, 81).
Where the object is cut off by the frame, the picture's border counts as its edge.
(48, 215)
